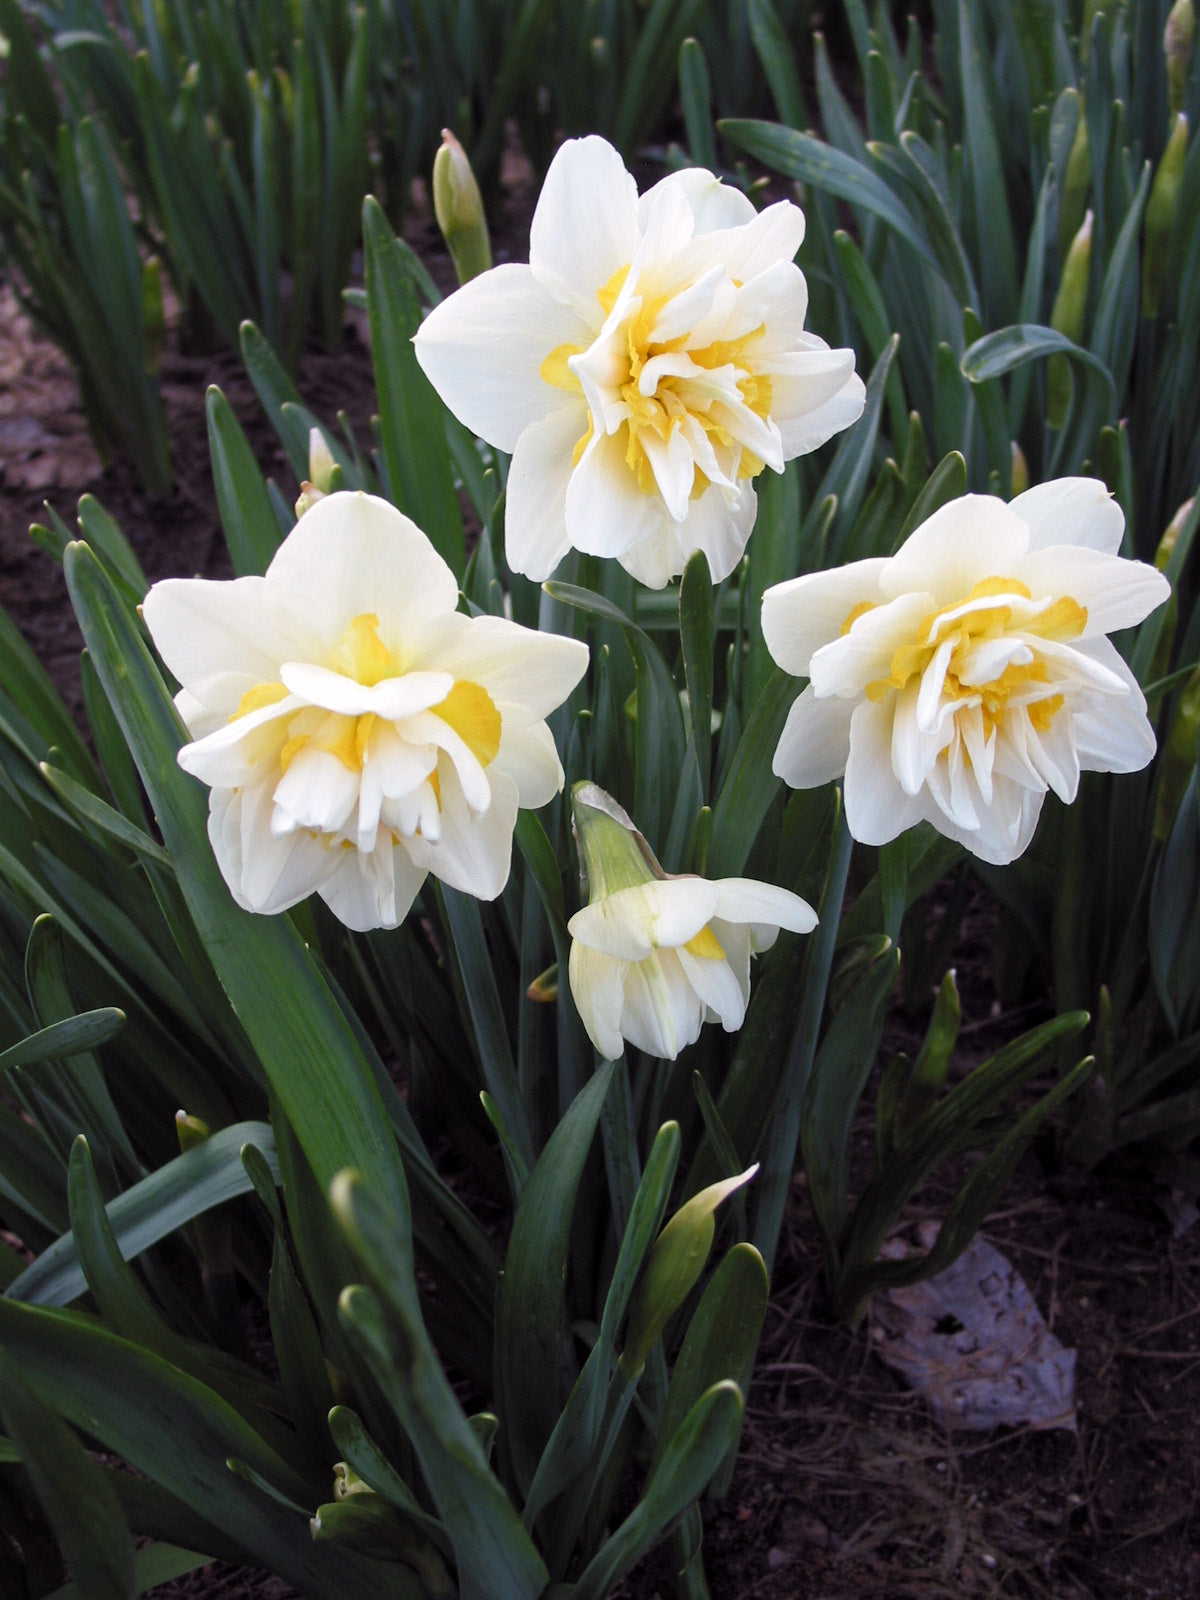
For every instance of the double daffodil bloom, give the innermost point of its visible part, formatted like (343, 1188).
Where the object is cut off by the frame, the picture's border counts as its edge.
(654, 956)
(959, 680)
(643, 369)
(356, 730)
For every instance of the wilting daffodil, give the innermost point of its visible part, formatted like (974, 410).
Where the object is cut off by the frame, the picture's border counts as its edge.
(356, 730)
(642, 369)
(653, 956)
(960, 679)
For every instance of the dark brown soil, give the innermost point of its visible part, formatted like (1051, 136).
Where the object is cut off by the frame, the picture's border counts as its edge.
(845, 1489)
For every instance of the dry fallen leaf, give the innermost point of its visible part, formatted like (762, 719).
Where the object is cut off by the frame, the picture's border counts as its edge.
(972, 1343)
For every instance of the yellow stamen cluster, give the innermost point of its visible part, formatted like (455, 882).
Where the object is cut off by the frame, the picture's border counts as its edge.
(362, 655)
(674, 398)
(1062, 619)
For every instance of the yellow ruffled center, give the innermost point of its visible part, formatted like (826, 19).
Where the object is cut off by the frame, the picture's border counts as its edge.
(674, 397)
(1063, 619)
(362, 656)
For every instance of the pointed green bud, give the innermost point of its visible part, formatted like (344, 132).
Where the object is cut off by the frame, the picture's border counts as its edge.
(673, 1270)
(1020, 470)
(1162, 211)
(1067, 317)
(1091, 10)
(613, 855)
(1170, 538)
(1179, 38)
(458, 206)
(191, 1131)
(346, 1482)
(1076, 181)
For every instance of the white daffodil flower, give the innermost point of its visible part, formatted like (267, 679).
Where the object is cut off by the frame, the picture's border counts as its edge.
(642, 369)
(959, 680)
(655, 956)
(356, 731)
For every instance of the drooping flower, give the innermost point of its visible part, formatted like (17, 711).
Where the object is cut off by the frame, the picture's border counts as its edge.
(960, 679)
(654, 956)
(357, 732)
(642, 369)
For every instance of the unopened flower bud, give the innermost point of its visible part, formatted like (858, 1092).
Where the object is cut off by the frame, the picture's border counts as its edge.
(1162, 209)
(458, 206)
(1179, 37)
(191, 1131)
(673, 1270)
(1076, 180)
(1067, 317)
(1020, 470)
(1170, 538)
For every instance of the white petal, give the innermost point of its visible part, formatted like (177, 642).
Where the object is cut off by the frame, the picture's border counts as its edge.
(483, 349)
(968, 539)
(428, 728)
(815, 741)
(392, 698)
(662, 1013)
(265, 873)
(914, 748)
(1114, 735)
(606, 512)
(801, 615)
(1116, 592)
(474, 852)
(356, 555)
(713, 979)
(231, 755)
(748, 900)
(598, 989)
(530, 758)
(865, 652)
(220, 638)
(373, 891)
(527, 673)
(535, 530)
(772, 236)
(718, 523)
(715, 205)
(1072, 511)
(631, 923)
(806, 419)
(317, 791)
(585, 225)
(877, 808)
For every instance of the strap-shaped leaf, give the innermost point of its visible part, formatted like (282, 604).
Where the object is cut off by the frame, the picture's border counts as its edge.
(809, 160)
(493, 1552)
(721, 1338)
(74, 1492)
(185, 1188)
(180, 1433)
(251, 531)
(531, 1322)
(688, 1462)
(410, 414)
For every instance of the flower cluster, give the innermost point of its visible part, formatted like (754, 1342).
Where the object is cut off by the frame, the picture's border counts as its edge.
(642, 369)
(358, 732)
